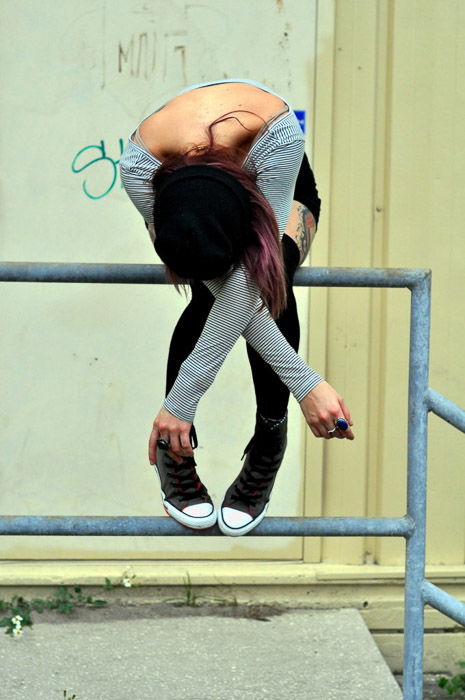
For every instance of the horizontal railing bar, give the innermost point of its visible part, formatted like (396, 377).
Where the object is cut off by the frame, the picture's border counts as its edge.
(445, 603)
(115, 273)
(442, 407)
(162, 525)
(105, 273)
(360, 277)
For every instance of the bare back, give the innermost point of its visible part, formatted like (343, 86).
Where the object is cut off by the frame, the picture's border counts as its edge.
(183, 122)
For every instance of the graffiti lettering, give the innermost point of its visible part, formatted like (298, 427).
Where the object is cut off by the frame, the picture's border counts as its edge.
(137, 53)
(143, 53)
(77, 166)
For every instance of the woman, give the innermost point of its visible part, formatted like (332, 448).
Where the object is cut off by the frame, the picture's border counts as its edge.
(220, 177)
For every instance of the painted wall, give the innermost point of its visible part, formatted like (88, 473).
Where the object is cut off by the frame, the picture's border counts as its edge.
(389, 152)
(84, 365)
(382, 84)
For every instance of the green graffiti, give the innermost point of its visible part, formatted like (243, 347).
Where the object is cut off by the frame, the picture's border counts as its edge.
(78, 168)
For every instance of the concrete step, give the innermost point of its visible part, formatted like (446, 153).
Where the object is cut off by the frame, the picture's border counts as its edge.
(304, 655)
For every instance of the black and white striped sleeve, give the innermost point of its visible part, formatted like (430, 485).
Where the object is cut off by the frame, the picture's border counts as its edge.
(236, 311)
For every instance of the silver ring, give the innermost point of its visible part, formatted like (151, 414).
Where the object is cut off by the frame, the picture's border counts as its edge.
(163, 444)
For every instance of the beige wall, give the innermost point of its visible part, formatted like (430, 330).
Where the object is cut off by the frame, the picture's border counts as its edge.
(85, 365)
(389, 152)
(382, 83)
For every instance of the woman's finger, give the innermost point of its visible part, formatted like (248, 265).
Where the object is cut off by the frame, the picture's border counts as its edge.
(153, 445)
(345, 434)
(336, 432)
(175, 451)
(185, 440)
(348, 434)
(345, 411)
(314, 431)
(329, 426)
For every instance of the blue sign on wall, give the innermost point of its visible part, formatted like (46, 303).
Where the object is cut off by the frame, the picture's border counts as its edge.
(300, 114)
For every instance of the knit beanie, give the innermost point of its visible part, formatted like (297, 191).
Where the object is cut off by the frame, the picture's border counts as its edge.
(202, 221)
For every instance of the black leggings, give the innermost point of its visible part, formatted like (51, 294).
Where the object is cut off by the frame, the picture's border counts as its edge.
(271, 394)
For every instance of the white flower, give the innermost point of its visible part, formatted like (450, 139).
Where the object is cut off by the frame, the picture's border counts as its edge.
(127, 582)
(17, 631)
(17, 619)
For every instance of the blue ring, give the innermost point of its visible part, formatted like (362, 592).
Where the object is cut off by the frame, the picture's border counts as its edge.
(341, 424)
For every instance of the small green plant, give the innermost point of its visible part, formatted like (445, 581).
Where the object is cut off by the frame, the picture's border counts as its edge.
(456, 685)
(193, 600)
(69, 697)
(127, 581)
(190, 599)
(19, 610)
(64, 601)
(18, 615)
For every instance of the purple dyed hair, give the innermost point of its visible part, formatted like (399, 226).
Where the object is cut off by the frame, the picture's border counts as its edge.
(263, 255)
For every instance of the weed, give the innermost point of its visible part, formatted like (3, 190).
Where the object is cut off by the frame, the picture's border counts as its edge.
(456, 685)
(19, 610)
(193, 600)
(127, 581)
(190, 599)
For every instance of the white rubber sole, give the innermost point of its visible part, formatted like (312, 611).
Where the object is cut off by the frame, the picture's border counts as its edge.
(238, 531)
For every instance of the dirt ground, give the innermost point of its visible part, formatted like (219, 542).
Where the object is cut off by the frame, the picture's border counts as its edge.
(431, 690)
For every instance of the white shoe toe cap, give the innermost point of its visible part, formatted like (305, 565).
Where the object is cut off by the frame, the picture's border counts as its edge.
(235, 518)
(199, 510)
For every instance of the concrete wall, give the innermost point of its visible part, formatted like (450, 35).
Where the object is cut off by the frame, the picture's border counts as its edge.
(85, 366)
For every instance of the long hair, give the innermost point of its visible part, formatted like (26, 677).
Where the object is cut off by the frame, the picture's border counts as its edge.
(262, 255)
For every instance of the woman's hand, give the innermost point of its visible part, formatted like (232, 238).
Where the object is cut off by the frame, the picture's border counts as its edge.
(322, 407)
(175, 431)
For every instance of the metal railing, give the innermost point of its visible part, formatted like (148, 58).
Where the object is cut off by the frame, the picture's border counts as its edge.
(421, 400)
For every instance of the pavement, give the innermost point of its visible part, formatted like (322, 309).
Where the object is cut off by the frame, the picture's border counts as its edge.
(164, 652)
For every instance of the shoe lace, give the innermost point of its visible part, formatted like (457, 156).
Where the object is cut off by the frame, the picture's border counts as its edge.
(185, 480)
(252, 482)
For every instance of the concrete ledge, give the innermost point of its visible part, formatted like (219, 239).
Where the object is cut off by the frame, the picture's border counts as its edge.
(211, 573)
(376, 592)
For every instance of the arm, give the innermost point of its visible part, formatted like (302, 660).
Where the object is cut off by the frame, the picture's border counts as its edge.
(237, 303)
(277, 173)
(238, 300)
(319, 402)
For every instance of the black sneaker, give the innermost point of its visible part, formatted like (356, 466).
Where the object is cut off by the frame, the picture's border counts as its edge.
(246, 501)
(184, 496)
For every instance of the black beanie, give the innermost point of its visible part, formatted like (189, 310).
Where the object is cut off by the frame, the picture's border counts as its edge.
(202, 221)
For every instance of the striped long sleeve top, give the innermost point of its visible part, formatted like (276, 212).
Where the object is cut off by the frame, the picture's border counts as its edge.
(274, 160)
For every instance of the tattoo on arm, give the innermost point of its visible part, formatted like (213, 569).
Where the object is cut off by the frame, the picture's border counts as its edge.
(305, 232)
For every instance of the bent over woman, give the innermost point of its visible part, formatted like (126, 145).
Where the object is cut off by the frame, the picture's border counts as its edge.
(220, 178)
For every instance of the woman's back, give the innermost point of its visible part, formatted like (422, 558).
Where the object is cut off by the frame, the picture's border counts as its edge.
(183, 122)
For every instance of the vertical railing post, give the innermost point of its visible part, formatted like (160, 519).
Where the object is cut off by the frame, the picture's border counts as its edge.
(416, 487)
